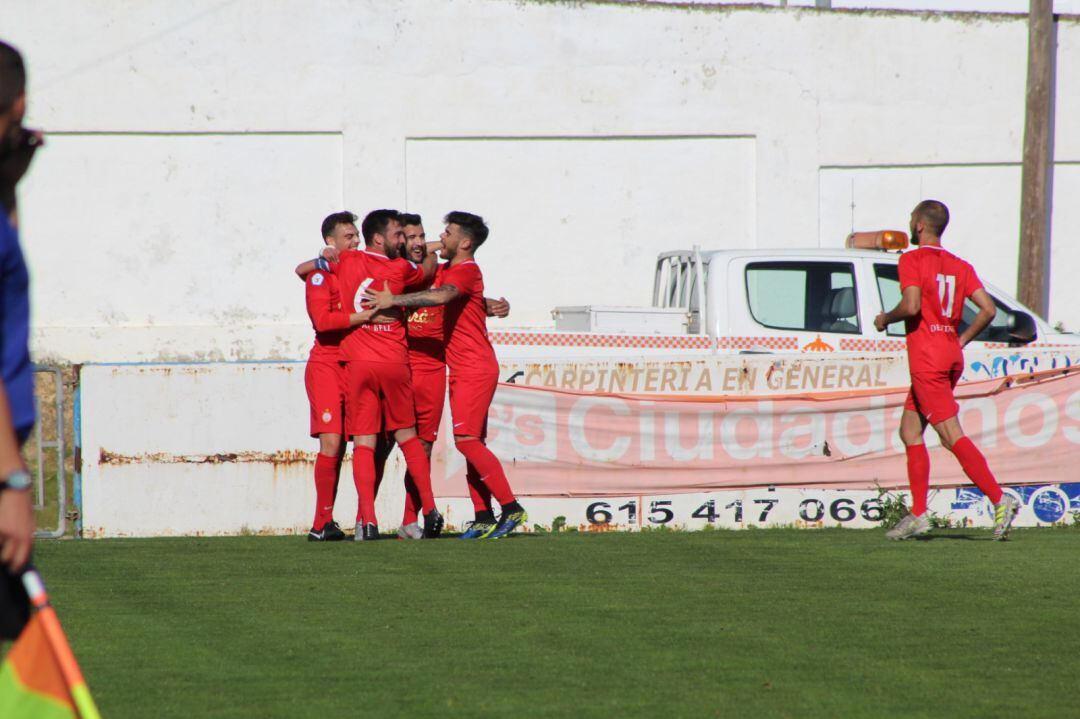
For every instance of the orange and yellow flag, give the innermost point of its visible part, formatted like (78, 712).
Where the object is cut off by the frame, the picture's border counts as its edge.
(39, 678)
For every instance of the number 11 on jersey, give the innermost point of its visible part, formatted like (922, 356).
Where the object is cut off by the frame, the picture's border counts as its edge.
(947, 292)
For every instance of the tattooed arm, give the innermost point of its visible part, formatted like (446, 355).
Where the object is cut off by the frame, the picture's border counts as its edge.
(384, 298)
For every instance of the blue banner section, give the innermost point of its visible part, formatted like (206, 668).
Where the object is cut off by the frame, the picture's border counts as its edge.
(1050, 503)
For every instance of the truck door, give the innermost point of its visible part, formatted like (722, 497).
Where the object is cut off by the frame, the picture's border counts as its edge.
(888, 282)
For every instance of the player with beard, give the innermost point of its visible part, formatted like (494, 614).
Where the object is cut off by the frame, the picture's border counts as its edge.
(379, 393)
(934, 284)
(427, 360)
(325, 374)
(474, 371)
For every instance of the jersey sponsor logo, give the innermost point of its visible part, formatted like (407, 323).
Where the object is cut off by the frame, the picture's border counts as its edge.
(317, 279)
(420, 317)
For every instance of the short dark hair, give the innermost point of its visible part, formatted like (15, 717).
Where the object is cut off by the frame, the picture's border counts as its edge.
(338, 218)
(935, 214)
(409, 218)
(472, 225)
(12, 76)
(375, 223)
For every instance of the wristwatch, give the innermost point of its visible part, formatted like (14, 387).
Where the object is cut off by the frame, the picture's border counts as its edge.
(20, 479)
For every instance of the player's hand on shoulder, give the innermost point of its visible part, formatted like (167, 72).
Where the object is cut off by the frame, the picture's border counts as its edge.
(330, 254)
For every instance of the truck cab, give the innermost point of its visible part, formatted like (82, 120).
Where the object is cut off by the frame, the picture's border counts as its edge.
(811, 299)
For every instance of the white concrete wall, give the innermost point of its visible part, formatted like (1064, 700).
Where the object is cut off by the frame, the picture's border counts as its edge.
(197, 146)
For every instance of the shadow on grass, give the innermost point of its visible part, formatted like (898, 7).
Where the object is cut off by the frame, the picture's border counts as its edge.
(966, 537)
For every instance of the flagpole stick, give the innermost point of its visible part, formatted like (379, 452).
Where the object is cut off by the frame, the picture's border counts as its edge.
(65, 658)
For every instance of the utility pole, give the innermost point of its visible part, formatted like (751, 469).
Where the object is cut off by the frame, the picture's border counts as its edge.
(1033, 283)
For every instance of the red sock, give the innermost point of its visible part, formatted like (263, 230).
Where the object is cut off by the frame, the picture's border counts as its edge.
(326, 474)
(412, 500)
(478, 491)
(975, 467)
(363, 469)
(489, 467)
(918, 474)
(416, 460)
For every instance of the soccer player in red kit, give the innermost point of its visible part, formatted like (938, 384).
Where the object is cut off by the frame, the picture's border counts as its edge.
(427, 360)
(474, 371)
(379, 391)
(934, 284)
(324, 376)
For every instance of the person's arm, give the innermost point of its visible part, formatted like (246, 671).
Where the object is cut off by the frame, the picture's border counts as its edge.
(16, 505)
(385, 299)
(987, 311)
(909, 305)
(327, 255)
(431, 261)
(497, 308)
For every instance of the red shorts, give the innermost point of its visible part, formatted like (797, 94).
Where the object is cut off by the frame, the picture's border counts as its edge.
(931, 394)
(429, 396)
(380, 398)
(325, 383)
(470, 398)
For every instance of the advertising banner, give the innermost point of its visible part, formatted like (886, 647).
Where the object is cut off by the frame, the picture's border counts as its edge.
(561, 443)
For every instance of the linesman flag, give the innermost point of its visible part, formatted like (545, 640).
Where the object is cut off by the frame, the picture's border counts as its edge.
(40, 678)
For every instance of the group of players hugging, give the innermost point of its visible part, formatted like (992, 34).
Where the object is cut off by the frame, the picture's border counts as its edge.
(393, 329)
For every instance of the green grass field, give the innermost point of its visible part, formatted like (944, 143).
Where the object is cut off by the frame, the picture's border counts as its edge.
(755, 623)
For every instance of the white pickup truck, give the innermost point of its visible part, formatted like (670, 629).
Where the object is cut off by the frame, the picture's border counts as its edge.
(720, 306)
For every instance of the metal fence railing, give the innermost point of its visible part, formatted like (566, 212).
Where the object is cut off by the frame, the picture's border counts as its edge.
(50, 454)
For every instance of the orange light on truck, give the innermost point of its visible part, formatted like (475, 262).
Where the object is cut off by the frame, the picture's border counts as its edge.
(880, 240)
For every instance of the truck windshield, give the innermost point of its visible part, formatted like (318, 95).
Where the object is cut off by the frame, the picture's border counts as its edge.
(804, 295)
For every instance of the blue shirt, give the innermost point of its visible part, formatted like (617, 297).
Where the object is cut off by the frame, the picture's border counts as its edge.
(16, 370)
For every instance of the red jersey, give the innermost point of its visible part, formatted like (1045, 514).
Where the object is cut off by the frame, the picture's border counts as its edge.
(356, 271)
(945, 281)
(468, 350)
(427, 349)
(331, 323)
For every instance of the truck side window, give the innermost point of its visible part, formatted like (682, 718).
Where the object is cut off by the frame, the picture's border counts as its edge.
(996, 331)
(807, 296)
(888, 285)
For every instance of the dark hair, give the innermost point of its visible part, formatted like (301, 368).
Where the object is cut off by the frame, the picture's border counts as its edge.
(472, 225)
(375, 223)
(409, 218)
(935, 214)
(338, 218)
(12, 76)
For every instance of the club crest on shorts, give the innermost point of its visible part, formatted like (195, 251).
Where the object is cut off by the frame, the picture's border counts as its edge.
(327, 415)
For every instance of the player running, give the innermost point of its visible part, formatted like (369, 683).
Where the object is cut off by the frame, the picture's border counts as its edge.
(934, 285)
(474, 371)
(379, 392)
(427, 360)
(324, 376)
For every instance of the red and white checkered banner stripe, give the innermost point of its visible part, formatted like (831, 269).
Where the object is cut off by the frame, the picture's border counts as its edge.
(861, 345)
(748, 343)
(547, 339)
